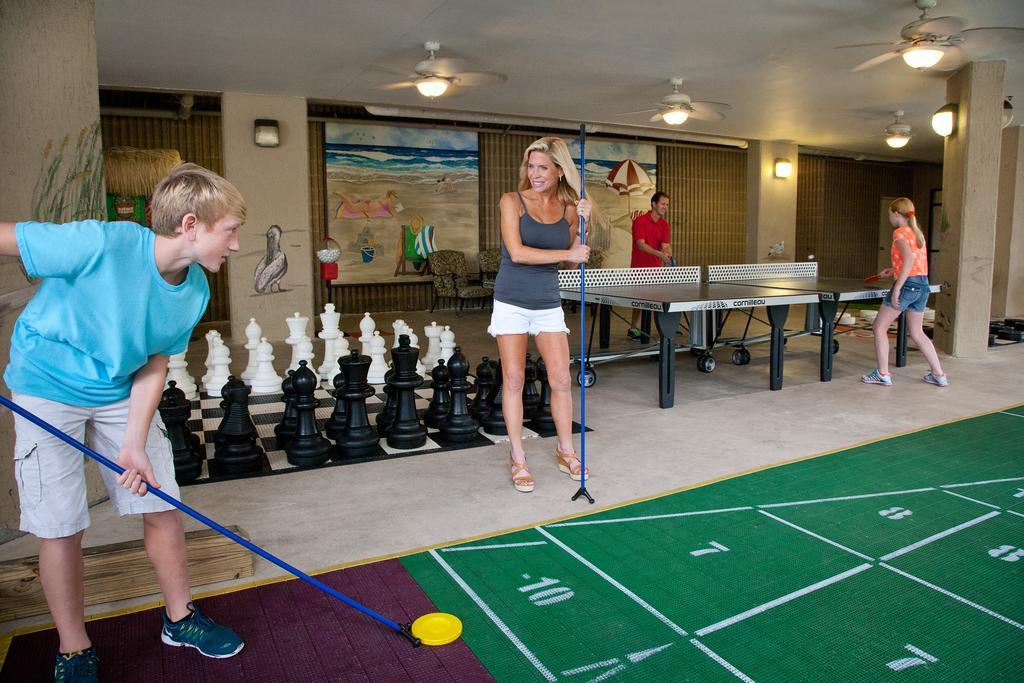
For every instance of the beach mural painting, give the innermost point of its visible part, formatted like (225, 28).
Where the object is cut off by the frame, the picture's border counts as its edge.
(395, 194)
(621, 177)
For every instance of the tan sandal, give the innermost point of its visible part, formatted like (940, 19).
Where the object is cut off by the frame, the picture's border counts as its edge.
(570, 464)
(522, 480)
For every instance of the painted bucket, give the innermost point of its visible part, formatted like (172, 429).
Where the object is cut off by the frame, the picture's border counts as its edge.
(368, 253)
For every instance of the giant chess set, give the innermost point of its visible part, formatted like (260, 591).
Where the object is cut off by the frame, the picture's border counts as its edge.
(353, 408)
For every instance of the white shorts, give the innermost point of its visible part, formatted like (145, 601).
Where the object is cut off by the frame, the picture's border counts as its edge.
(51, 473)
(509, 319)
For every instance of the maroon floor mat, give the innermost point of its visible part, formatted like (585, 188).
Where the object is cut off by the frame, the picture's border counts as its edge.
(292, 632)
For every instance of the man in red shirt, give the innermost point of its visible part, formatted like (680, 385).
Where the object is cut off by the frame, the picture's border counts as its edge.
(651, 248)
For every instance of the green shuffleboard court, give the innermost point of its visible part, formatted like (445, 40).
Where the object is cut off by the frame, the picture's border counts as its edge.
(897, 560)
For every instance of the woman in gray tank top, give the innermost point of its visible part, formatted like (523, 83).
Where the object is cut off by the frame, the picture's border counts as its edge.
(539, 230)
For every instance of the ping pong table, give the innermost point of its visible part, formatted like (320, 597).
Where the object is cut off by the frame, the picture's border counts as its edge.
(670, 292)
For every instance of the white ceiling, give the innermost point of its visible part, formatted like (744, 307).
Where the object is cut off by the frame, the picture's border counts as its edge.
(581, 60)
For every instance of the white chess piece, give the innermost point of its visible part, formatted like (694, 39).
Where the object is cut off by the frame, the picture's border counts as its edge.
(447, 343)
(330, 333)
(218, 371)
(340, 351)
(433, 334)
(253, 332)
(366, 329)
(296, 328)
(399, 327)
(414, 342)
(177, 371)
(377, 365)
(302, 351)
(266, 380)
(213, 340)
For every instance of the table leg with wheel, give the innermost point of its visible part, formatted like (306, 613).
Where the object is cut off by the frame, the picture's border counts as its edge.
(777, 317)
(667, 324)
(901, 340)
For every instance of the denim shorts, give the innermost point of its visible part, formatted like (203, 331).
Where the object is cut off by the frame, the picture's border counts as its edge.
(913, 295)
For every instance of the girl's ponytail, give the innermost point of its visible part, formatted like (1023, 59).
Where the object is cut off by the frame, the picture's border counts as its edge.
(905, 208)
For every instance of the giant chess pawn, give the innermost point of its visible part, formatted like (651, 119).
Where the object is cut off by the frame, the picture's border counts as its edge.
(458, 425)
(414, 342)
(336, 423)
(253, 332)
(340, 351)
(484, 382)
(329, 319)
(378, 367)
(175, 411)
(177, 372)
(440, 400)
(494, 421)
(366, 329)
(213, 340)
(531, 399)
(284, 430)
(433, 334)
(359, 439)
(399, 327)
(307, 448)
(303, 351)
(406, 431)
(219, 372)
(447, 343)
(266, 380)
(387, 414)
(542, 420)
(236, 450)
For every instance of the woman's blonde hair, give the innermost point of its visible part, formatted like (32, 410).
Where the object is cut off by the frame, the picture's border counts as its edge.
(190, 188)
(569, 184)
(904, 207)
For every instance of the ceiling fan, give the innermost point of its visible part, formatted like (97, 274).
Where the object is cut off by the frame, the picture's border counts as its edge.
(928, 41)
(434, 76)
(676, 107)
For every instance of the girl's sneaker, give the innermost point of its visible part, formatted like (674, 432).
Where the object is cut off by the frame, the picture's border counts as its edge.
(875, 377)
(937, 380)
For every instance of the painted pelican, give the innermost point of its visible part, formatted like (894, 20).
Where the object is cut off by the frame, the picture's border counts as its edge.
(272, 267)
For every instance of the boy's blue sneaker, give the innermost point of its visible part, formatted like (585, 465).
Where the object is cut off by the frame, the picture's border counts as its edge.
(875, 377)
(199, 631)
(77, 667)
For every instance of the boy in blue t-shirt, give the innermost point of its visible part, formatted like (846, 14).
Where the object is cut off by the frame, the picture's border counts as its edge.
(89, 355)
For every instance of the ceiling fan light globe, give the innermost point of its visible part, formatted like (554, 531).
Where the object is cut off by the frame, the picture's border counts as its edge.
(923, 57)
(897, 140)
(432, 87)
(674, 117)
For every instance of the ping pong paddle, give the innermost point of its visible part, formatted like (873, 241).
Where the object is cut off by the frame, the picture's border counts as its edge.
(872, 278)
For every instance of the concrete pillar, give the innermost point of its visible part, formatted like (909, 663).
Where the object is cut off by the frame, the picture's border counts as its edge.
(1008, 275)
(49, 157)
(970, 179)
(275, 184)
(771, 201)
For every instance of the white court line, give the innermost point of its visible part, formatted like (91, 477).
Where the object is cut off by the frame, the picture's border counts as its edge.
(979, 483)
(609, 673)
(496, 546)
(780, 601)
(649, 517)
(630, 594)
(1014, 414)
(956, 597)
(829, 500)
(820, 538)
(974, 500)
(590, 667)
(495, 618)
(715, 656)
(1014, 513)
(940, 535)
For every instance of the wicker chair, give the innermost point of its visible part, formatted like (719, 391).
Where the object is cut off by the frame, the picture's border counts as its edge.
(451, 279)
(490, 260)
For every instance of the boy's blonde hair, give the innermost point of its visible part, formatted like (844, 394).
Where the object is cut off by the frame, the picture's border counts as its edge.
(190, 188)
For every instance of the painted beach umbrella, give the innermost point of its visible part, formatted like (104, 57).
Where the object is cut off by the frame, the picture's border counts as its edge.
(629, 178)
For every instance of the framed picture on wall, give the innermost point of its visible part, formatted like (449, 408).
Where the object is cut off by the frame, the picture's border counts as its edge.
(395, 194)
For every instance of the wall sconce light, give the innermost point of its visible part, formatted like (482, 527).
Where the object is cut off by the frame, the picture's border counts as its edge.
(783, 168)
(1007, 111)
(944, 120)
(265, 133)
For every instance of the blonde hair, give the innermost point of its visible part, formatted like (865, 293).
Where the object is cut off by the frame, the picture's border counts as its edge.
(569, 185)
(904, 207)
(190, 188)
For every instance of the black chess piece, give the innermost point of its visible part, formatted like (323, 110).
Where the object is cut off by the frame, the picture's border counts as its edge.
(494, 421)
(440, 400)
(235, 448)
(406, 431)
(307, 448)
(531, 399)
(285, 429)
(542, 420)
(484, 382)
(359, 438)
(335, 425)
(175, 410)
(387, 414)
(458, 426)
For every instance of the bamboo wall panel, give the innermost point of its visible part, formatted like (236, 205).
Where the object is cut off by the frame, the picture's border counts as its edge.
(839, 209)
(500, 157)
(317, 208)
(198, 140)
(707, 189)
